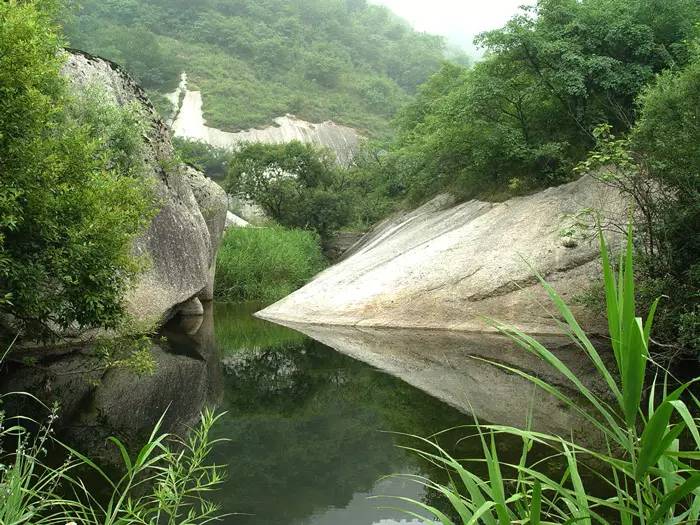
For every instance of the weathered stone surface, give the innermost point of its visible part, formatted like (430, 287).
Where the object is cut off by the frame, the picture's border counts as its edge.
(251, 213)
(182, 240)
(446, 266)
(189, 124)
(234, 221)
(213, 202)
(191, 307)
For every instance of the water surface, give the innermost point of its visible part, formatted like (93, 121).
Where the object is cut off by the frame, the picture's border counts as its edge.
(314, 423)
(313, 432)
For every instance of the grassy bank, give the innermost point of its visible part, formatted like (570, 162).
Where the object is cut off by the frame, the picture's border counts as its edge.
(265, 264)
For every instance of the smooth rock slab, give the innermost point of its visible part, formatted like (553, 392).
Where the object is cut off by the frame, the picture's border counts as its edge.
(447, 266)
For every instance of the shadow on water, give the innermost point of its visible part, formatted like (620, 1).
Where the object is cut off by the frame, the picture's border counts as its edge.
(313, 424)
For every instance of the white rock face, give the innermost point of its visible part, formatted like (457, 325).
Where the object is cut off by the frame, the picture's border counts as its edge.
(447, 267)
(234, 221)
(190, 124)
(174, 97)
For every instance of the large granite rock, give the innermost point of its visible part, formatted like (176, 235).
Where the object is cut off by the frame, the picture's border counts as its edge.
(182, 240)
(446, 266)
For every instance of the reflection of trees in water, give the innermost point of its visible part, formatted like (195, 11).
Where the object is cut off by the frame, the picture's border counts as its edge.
(305, 423)
(305, 427)
(237, 331)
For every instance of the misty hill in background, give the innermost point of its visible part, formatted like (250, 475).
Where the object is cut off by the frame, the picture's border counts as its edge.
(255, 60)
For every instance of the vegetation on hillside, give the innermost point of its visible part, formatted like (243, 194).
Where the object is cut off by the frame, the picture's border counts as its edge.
(265, 264)
(658, 166)
(255, 60)
(523, 117)
(71, 198)
(212, 161)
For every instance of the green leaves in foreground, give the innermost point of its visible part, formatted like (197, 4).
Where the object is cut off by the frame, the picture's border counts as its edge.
(649, 467)
(166, 482)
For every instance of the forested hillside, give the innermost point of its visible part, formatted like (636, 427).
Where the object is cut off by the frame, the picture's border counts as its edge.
(258, 59)
(524, 116)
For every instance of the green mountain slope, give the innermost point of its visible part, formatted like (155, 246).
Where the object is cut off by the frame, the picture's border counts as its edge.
(258, 59)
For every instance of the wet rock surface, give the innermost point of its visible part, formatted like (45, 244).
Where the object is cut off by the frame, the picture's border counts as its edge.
(97, 402)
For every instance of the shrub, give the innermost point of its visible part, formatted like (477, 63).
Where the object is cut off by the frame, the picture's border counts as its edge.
(656, 166)
(208, 159)
(265, 264)
(72, 197)
(649, 470)
(296, 184)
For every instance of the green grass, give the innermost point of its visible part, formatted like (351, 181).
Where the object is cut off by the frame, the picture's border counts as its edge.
(265, 264)
(167, 481)
(649, 463)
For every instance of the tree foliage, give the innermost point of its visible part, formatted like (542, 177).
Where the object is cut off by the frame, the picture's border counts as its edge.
(658, 166)
(71, 199)
(524, 116)
(212, 161)
(297, 185)
(255, 60)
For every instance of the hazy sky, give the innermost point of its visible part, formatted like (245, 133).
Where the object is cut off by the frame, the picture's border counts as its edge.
(459, 20)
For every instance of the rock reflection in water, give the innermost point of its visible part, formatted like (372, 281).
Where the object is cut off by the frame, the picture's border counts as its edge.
(97, 403)
(312, 431)
(458, 368)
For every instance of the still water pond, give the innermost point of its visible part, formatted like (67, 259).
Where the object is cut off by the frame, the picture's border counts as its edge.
(313, 424)
(312, 432)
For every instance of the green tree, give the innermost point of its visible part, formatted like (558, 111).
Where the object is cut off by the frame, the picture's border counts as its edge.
(208, 159)
(296, 184)
(657, 165)
(71, 199)
(524, 116)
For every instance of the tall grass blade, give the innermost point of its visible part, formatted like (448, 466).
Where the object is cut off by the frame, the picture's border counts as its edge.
(656, 437)
(611, 299)
(635, 359)
(671, 499)
(536, 504)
